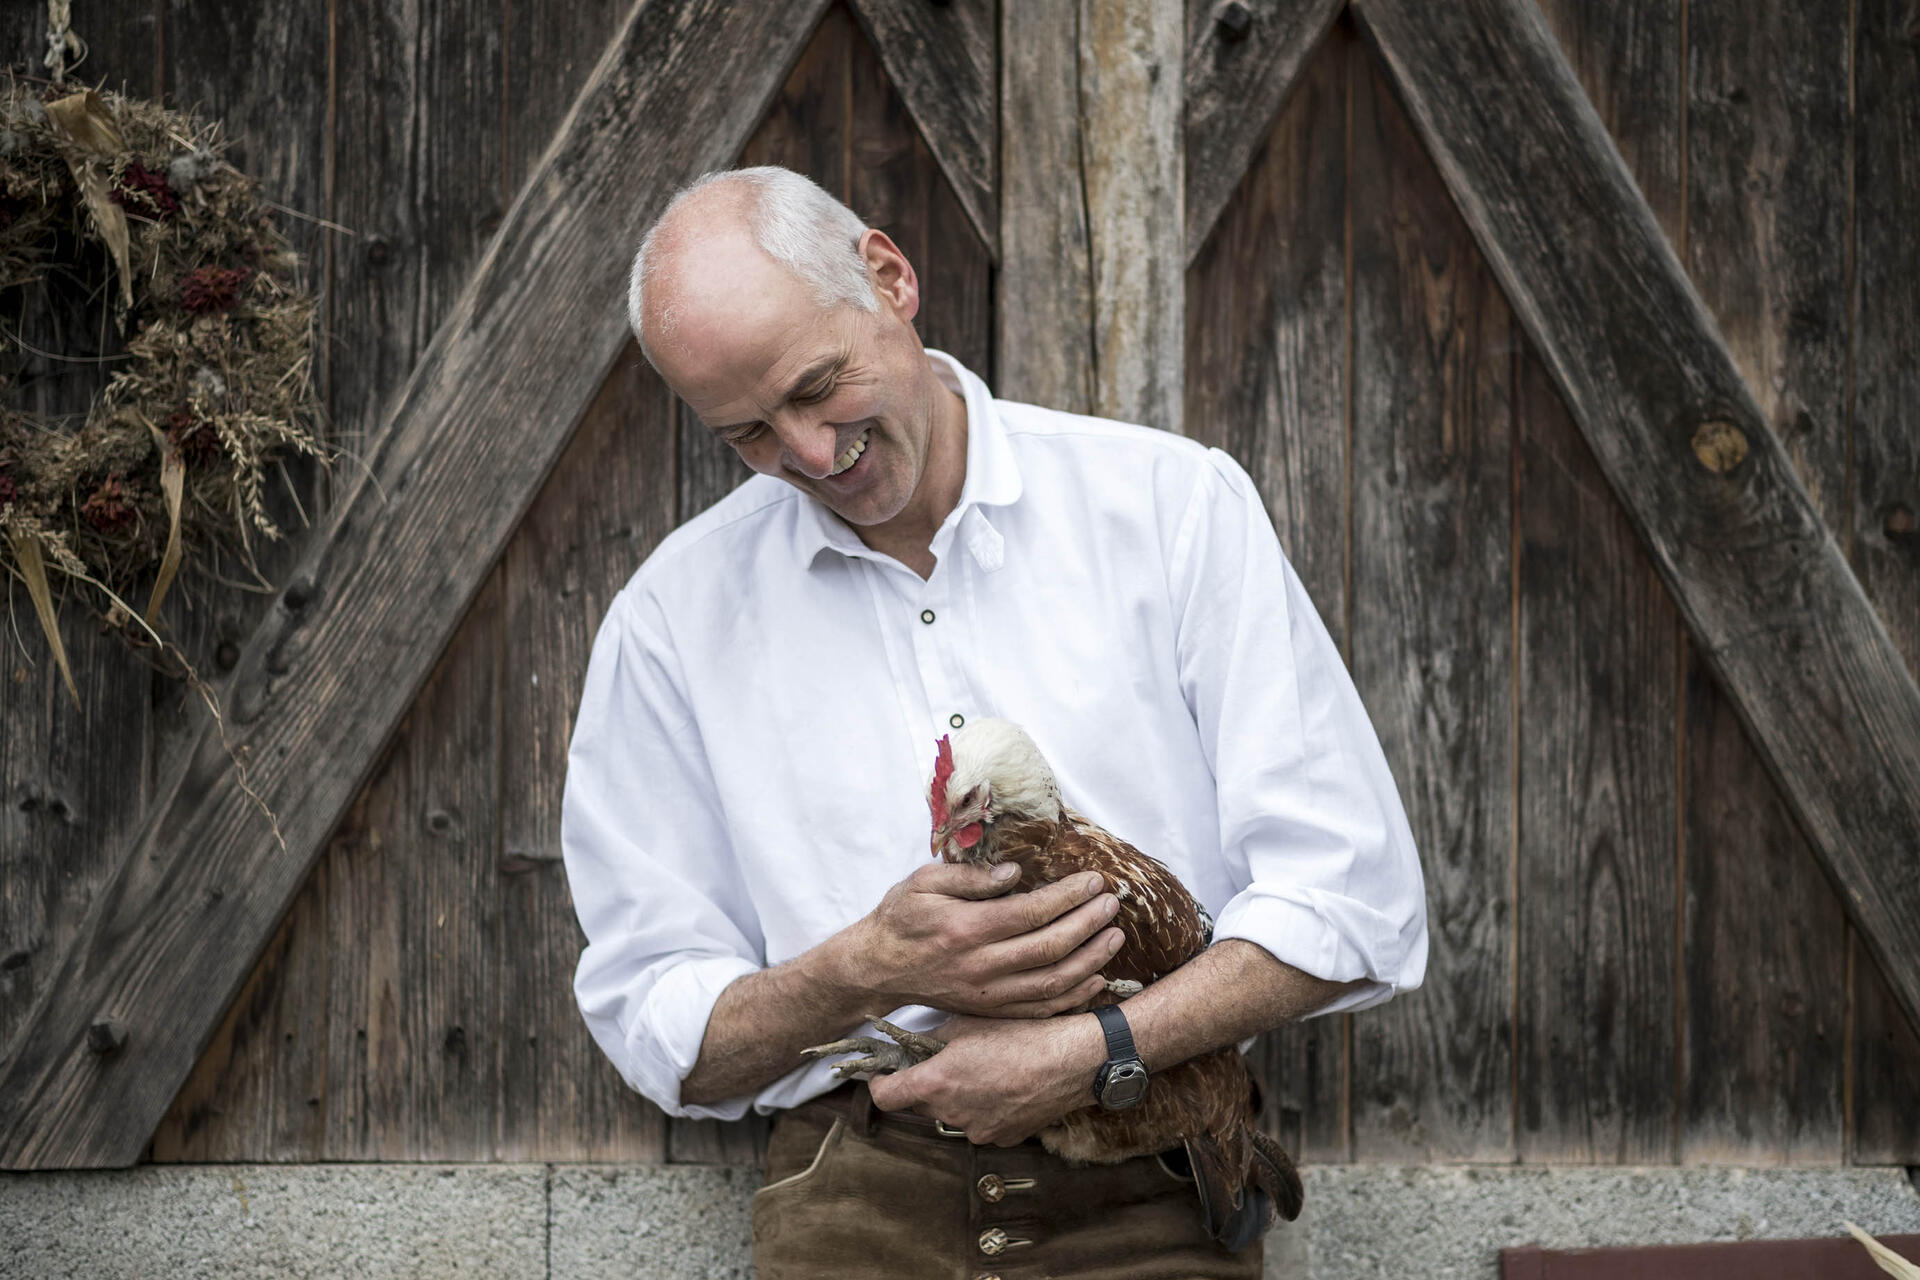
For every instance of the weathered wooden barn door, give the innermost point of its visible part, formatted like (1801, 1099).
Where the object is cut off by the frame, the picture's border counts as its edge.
(1636, 958)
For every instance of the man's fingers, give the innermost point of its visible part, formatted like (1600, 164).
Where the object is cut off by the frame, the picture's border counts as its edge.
(1064, 976)
(964, 880)
(1054, 941)
(1078, 996)
(1025, 912)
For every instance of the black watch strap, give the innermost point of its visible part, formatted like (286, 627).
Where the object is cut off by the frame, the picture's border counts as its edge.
(1119, 1034)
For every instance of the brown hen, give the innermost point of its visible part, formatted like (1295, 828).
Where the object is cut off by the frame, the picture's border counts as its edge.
(994, 799)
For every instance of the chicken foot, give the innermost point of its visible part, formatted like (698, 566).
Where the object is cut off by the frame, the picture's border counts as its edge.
(909, 1048)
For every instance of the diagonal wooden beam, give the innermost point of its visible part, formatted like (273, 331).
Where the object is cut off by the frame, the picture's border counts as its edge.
(1243, 59)
(941, 59)
(329, 674)
(1794, 641)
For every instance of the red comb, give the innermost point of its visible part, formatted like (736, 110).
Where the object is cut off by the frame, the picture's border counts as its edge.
(937, 792)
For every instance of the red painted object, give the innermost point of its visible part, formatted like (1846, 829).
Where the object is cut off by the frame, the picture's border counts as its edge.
(1841, 1258)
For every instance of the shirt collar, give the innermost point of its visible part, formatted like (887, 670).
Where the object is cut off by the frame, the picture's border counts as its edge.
(993, 479)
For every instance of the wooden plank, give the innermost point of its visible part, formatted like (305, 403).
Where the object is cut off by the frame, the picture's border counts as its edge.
(72, 779)
(1765, 246)
(1596, 912)
(382, 590)
(1760, 581)
(1884, 498)
(1131, 56)
(412, 893)
(1238, 79)
(940, 60)
(1267, 381)
(1043, 293)
(608, 502)
(1599, 661)
(1433, 346)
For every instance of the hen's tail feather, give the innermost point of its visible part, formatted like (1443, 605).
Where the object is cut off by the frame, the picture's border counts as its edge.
(1274, 1173)
(1218, 1186)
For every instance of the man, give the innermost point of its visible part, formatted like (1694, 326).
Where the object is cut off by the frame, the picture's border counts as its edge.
(745, 799)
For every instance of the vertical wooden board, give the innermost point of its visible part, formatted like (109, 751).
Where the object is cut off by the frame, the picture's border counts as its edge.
(258, 1091)
(1885, 499)
(1433, 349)
(895, 184)
(1765, 245)
(1044, 290)
(262, 71)
(72, 779)
(412, 896)
(608, 502)
(1267, 382)
(1598, 704)
(419, 144)
(1597, 856)
(1765, 972)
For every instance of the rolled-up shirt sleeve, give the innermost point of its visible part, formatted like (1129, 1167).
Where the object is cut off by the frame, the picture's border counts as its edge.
(654, 883)
(1306, 799)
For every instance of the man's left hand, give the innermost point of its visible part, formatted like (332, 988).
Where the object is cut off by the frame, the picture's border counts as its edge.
(1001, 1080)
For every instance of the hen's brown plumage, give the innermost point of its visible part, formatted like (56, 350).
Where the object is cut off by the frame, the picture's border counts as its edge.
(1207, 1102)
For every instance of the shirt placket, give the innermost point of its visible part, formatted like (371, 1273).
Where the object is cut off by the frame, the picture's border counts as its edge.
(935, 632)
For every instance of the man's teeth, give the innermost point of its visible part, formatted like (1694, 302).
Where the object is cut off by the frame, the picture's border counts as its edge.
(852, 455)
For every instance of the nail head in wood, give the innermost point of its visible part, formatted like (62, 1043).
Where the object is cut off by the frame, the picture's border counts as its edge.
(1719, 445)
(106, 1035)
(1233, 20)
(1900, 521)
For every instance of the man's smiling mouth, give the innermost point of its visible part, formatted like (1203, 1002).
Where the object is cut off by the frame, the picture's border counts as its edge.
(852, 455)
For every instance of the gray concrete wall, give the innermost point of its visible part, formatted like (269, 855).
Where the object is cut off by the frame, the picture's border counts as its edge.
(583, 1222)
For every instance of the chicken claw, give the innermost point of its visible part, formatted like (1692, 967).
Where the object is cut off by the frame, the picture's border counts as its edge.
(909, 1048)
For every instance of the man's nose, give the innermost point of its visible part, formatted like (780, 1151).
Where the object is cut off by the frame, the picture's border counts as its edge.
(811, 447)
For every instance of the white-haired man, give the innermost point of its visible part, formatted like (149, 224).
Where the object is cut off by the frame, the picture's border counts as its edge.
(745, 807)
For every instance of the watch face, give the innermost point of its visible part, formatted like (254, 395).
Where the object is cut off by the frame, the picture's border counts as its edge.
(1125, 1085)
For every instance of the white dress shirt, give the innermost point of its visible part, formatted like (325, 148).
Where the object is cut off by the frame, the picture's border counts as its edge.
(748, 771)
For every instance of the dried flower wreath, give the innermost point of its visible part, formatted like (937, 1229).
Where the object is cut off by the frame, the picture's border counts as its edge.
(214, 385)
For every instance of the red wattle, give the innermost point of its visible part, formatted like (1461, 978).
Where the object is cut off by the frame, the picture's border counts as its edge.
(968, 836)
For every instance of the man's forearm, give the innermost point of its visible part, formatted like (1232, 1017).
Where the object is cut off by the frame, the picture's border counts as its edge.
(1232, 990)
(763, 1020)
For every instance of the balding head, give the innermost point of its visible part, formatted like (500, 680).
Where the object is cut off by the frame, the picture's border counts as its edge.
(766, 212)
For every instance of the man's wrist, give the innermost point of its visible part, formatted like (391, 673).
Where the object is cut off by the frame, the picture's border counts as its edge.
(838, 972)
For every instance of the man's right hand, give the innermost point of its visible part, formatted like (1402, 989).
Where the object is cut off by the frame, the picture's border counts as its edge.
(951, 936)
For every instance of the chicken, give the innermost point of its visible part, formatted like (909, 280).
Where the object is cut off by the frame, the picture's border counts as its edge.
(994, 799)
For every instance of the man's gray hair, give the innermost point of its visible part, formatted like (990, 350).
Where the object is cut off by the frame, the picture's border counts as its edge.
(793, 221)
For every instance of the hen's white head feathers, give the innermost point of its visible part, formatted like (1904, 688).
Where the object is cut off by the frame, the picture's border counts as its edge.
(1000, 754)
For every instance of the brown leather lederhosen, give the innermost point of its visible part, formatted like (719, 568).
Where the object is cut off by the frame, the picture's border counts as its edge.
(852, 1191)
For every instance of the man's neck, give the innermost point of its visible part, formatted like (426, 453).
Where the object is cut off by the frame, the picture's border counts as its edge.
(909, 539)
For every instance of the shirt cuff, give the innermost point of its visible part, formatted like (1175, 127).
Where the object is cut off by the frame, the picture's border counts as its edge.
(664, 1040)
(1323, 935)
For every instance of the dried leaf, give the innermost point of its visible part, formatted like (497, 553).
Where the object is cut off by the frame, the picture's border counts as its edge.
(85, 121)
(26, 550)
(173, 479)
(1889, 1261)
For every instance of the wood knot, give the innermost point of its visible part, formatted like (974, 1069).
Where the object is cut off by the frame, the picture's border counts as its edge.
(1719, 445)
(1900, 522)
(106, 1035)
(1233, 20)
(298, 595)
(440, 822)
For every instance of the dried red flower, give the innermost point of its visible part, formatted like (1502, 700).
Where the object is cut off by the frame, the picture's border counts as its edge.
(212, 288)
(197, 441)
(107, 509)
(148, 188)
(7, 492)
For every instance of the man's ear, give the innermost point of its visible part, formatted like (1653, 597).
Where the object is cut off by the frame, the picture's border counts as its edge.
(893, 276)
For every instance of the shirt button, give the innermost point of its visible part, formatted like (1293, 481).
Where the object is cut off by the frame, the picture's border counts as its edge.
(956, 719)
(991, 1188)
(926, 615)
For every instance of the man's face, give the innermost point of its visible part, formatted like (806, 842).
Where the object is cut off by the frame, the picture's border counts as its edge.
(836, 402)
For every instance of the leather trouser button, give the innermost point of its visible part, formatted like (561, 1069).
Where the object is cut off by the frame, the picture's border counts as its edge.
(993, 1240)
(991, 1188)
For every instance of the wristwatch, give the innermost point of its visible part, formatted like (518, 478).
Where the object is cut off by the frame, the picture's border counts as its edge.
(1122, 1081)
